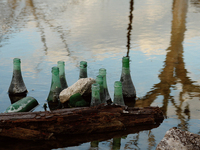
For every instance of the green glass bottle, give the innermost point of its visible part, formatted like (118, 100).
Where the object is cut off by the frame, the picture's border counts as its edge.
(94, 144)
(17, 86)
(24, 105)
(83, 69)
(128, 88)
(102, 72)
(116, 143)
(61, 66)
(15, 98)
(95, 100)
(99, 80)
(118, 96)
(55, 86)
(77, 100)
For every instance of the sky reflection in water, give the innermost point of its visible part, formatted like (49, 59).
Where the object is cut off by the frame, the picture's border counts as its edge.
(163, 41)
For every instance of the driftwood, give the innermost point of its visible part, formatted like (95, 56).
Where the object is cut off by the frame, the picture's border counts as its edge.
(101, 119)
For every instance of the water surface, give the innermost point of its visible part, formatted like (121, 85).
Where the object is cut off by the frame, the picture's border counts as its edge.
(161, 38)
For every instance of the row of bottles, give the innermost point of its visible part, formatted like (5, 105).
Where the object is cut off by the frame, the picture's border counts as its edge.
(124, 89)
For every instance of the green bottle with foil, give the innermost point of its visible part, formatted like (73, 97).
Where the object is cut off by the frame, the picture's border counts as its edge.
(95, 100)
(83, 69)
(55, 86)
(118, 96)
(23, 105)
(102, 72)
(61, 66)
(128, 88)
(17, 86)
(99, 80)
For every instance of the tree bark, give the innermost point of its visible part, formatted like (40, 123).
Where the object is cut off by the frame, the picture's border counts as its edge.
(85, 120)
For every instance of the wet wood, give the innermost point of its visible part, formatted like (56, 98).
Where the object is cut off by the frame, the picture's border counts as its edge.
(101, 119)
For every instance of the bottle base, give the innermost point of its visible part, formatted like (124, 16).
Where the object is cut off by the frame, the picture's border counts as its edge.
(129, 101)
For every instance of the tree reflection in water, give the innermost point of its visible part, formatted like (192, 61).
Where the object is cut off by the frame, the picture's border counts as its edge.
(173, 71)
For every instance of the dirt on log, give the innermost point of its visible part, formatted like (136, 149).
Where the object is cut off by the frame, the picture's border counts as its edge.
(85, 120)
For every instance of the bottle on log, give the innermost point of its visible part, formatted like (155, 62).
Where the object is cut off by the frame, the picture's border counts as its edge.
(102, 72)
(23, 105)
(17, 86)
(83, 69)
(95, 100)
(15, 98)
(128, 89)
(99, 80)
(118, 96)
(61, 66)
(77, 100)
(55, 89)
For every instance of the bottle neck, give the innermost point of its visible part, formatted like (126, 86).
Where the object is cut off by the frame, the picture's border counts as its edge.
(125, 62)
(61, 69)
(55, 75)
(99, 80)
(102, 72)
(118, 91)
(96, 91)
(17, 66)
(118, 88)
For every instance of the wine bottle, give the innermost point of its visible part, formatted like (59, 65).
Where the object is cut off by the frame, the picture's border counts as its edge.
(83, 69)
(95, 100)
(55, 86)
(102, 72)
(118, 96)
(23, 105)
(17, 86)
(99, 80)
(128, 89)
(61, 66)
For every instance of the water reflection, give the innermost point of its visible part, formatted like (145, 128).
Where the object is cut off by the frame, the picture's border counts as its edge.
(129, 28)
(172, 76)
(174, 71)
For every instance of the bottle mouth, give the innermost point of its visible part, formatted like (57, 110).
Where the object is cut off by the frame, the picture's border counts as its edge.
(102, 71)
(55, 69)
(125, 59)
(61, 62)
(118, 84)
(83, 64)
(16, 60)
(95, 86)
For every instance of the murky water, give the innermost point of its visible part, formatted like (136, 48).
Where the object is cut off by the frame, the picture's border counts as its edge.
(161, 38)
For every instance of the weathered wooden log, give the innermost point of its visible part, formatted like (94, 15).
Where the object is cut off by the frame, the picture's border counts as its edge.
(44, 125)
